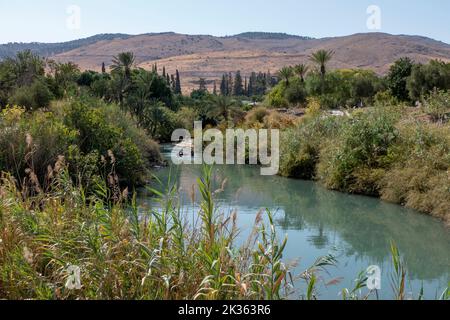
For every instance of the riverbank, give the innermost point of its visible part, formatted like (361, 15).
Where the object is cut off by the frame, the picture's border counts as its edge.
(356, 229)
(392, 153)
(61, 245)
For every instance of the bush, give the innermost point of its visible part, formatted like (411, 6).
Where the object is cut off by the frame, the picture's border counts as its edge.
(32, 97)
(104, 128)
(276, 97)
(362, 145)
(437, 105)
(301, 146)
(32, 141)
(427, 77)
(419, 176)
(256, 116)
(295, 93)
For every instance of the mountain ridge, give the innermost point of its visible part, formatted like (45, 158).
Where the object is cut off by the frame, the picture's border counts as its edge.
(209, 57)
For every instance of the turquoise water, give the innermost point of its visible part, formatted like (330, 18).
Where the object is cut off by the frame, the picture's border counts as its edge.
(356, 229)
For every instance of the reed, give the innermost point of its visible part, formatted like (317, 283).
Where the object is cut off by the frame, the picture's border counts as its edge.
(126, 252)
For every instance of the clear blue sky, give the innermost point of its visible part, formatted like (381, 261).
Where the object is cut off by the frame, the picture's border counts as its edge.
(45, 20)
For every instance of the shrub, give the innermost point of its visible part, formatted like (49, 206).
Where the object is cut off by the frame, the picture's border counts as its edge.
(32, 141)
(427, 77)
(419, 174)
(276, 97)
(102, 129)
(256, 116)
(301, 146)
(362, 145)
(295, 93)
(32, 97)
(437, 105)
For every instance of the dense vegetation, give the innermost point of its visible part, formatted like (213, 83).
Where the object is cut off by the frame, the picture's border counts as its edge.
(74, 143)
(122, 252)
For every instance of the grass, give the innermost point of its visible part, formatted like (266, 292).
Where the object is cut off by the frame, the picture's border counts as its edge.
(123, 252)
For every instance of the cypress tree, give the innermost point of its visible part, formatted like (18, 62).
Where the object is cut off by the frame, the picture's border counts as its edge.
(172, 82)
(177, 83)
(230, 84)
(223, 86)
(238, 89)
(215, 88)
(103, 67)
(246, 87)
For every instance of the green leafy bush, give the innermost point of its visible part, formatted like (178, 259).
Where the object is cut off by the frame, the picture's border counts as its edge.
(437, 105)
(32, 97)
(301, 146)
(362, 144)
(104, 128)
(32, 141)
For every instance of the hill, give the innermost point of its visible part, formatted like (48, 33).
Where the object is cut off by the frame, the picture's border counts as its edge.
(209, 57)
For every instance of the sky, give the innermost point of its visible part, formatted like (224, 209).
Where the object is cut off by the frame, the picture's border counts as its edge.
(63, 20)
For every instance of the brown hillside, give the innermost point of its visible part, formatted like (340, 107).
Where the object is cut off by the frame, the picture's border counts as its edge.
(209, 57)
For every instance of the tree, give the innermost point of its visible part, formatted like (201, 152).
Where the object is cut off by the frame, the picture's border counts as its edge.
(238, 89)
(66, 75)
(121, 67)
(301, 70)
(215, 88)
(246, 87)
(296, 93)
(172, 82)
(141, 95)
(202, 85)
(177, 83)
(321, 59)
(230, 84)
(397, 78)
(123, 63)
(24, 68)
(222, 106)
(427, 77)
(224, 86)
(103, 68)
(286, 74)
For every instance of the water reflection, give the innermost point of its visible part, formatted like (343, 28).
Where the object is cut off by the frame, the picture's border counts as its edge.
(317, 220)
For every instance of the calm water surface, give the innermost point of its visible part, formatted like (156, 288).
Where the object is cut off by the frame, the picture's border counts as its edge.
(356, 229)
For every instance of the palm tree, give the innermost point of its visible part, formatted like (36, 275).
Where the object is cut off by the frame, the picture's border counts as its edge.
(222, 106)
(141, 96)
(301, 70)
(286, 73)
(122, 63)
(321, 58)
(121, 66)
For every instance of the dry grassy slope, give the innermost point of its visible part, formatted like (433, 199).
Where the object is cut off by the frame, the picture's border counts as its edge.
(209, 57)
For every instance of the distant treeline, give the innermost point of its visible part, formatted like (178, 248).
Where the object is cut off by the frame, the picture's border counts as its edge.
(9, 50)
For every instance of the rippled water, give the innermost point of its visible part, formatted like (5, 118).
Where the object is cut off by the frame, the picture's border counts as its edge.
(357, 229)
